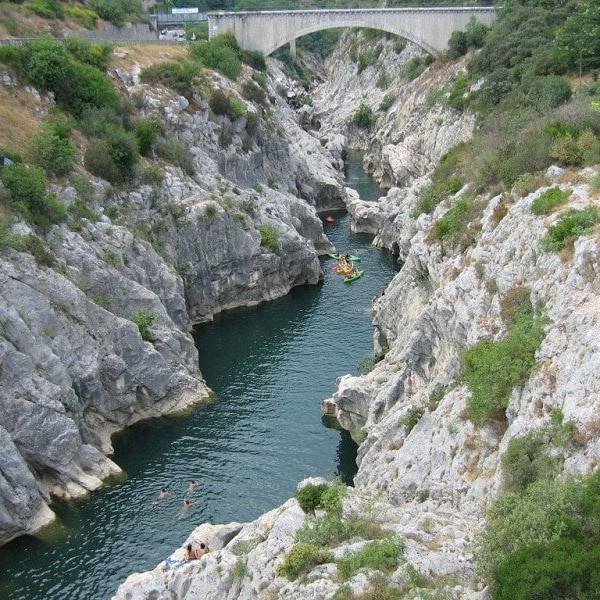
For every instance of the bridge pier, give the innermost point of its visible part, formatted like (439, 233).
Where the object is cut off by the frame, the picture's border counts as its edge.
(293, 50)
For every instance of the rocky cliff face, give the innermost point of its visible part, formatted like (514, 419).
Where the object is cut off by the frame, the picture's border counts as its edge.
(74, 367)
(426, 472)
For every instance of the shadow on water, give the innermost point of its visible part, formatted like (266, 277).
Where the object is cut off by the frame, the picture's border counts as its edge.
(270, 367)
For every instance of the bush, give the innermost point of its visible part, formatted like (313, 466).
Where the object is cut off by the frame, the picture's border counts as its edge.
(269, 237)
(7, 238)
(309, 496)
(39, 250)
(457, 226)
(472, 37)
(331, 530)
(95, 54)
(546, 202)
(545, 93)
(114, 157)
(26, 186)
(253, 92)
(88, 17)
(219, 102)
(144, 320)
(237, 109)
(526, 461)
(411, 418)
(255, 59)
(222, 53)
(544, 543)
(416, 66)
(90, 87)
(117, 11)
(369, 57)
(573, 224)
(172, 150)
(383, 555)
(363, 117)
(47, 9)
(367, 364)
(301, 559)
(146, 133)
(52, 151)
(48, 64)
(492, 369)
(387, 102)
(178, 76)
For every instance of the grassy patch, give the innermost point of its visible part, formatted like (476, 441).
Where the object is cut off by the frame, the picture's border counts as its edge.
(382, 555)
(387, 102)
(493, 369)
(458, 226)
(363, 117)
(573, 224)
(144, 319)
(546, 202)
(269, 237)
(411, 418)
(301, 559)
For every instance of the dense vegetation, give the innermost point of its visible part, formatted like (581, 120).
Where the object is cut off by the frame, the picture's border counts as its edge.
(531, 113)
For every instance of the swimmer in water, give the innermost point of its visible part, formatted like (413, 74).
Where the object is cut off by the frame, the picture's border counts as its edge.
(163, 493)
(192, 485)
(186, 505)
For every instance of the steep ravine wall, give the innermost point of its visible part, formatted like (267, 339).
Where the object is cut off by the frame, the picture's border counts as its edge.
(429, 482)
(74, 368)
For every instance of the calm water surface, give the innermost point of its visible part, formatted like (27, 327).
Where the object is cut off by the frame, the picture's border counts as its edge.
(270, 368)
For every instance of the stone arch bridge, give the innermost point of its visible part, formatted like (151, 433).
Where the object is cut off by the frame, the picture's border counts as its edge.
(265, 31)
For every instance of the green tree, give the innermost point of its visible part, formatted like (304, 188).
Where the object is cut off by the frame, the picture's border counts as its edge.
(579, 37)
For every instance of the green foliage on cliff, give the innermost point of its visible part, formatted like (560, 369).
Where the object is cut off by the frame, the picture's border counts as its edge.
(269, 237)
(382, 555)
(301, 559)
(544, 542)
(144, 319)
(569, 227)
(492, 369)
(546, 202)
(363, 117)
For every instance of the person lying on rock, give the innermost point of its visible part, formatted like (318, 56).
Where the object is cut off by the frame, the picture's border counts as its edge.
(192, 553)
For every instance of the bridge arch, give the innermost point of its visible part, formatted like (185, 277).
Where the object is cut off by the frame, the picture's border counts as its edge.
(265, 31)
(394, 30)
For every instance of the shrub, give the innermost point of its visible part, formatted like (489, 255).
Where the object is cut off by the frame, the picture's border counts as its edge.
(114, 157)
(172, 150)
(472, 37)
(416, 66)
(251, 123)
(178, 76)
(331, 530)
(90, 87)
(309, 496)
(546, 202)
(367, 364)
(544, 93)
(39, 250)
(95, 54)
(457, 226)
(221, 53)
(369, 57)
(146, 132)
(363, 117)
(573, 224)
(301, 559)
(88, 17)
(387, 101)
(539, 543)
(144, 320)
(269, 237)
(225, 136)
(54, 153)
(526, 461)
(237, 109)
(332, 497)
(26, 186)
(516, 301)
(255, 59)
(49, 66)
(47, 9)
(411, 418)
(7, 238)
(219, 102)
(253, 92)
(383, 555)
(384, 80)
(528, 183)
(492, 369)
(117, 11)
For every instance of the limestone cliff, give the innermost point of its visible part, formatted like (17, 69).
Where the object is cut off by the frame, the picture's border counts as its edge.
(427, 472)
(73, 366)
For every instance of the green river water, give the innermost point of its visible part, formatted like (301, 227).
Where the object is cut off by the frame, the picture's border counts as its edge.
(270, 367)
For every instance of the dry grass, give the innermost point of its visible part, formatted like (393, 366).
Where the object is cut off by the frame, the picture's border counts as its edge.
(20, 117)
(145, 55)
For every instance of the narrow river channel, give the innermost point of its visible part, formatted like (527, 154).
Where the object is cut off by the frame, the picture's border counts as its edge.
(270, 367)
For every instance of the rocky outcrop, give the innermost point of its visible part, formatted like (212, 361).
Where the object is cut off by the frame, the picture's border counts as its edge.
(240, 228)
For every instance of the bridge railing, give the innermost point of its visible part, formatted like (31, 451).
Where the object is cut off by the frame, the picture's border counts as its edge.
(184, 18)
(283, 6)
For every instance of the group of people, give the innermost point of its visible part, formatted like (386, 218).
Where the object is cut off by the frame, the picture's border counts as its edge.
(187, 503)
(344, 265)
